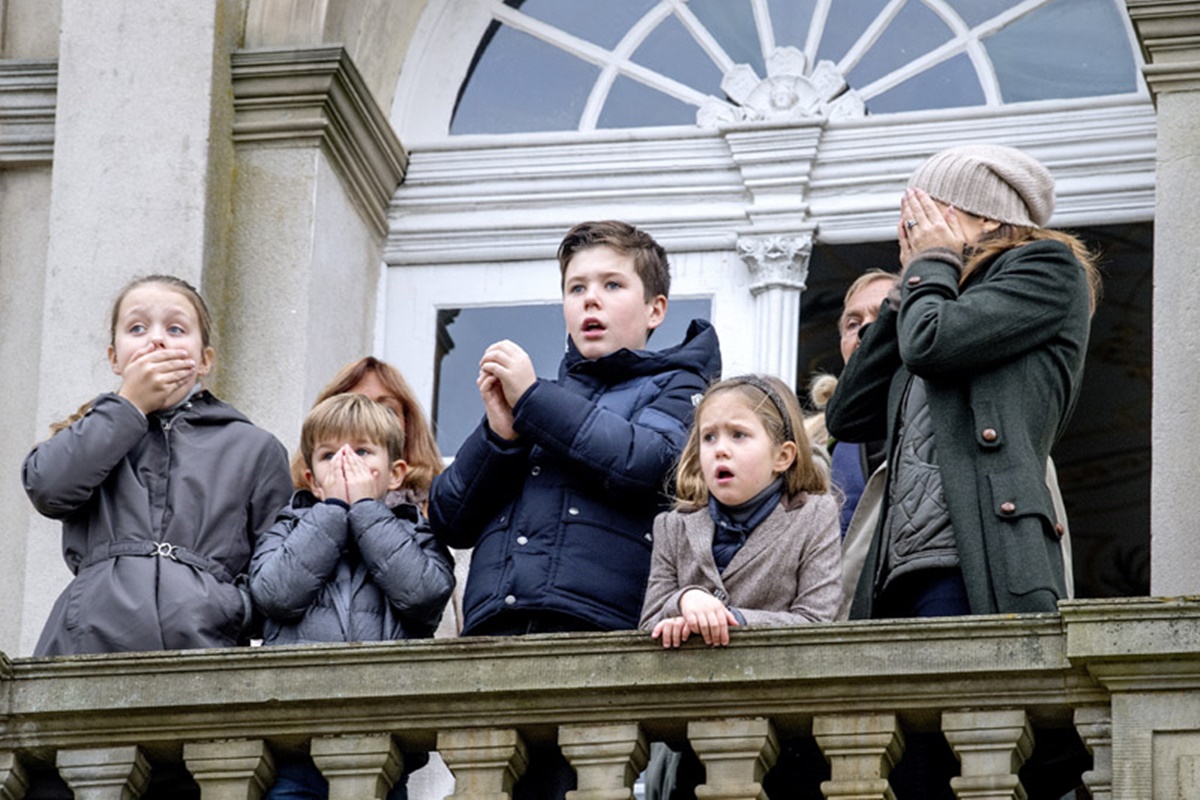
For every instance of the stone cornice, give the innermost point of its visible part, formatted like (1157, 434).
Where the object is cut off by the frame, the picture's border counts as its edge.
(28, 93)
(1169, 32)
(304, 97)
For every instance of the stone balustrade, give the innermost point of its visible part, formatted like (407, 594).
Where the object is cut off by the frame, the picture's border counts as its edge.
(1125, 674)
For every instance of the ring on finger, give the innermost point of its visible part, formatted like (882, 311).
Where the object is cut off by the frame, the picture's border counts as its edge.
(910, 224)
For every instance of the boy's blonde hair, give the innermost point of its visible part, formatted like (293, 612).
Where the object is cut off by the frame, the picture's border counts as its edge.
(351, 416)
(776, 406)
(422, 454)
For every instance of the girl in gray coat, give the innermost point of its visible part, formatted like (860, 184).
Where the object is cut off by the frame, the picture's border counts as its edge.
(160, 488)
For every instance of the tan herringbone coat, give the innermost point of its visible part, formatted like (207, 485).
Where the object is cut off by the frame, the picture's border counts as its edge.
(787, 573)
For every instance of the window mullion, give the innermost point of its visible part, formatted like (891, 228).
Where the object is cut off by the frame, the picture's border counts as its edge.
(700, 33)
(816, 30)
(870, 36)
(766, 31)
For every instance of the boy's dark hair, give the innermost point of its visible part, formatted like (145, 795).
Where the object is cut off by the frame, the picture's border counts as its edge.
(649, 258)
(352, 416)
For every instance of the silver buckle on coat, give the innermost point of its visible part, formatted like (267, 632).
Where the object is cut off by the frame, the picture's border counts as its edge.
(164, 549)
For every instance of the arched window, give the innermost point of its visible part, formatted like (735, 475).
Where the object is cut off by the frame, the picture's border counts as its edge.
(639, 63)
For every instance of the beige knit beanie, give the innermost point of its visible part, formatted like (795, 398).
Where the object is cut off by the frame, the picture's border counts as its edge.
(990, 181)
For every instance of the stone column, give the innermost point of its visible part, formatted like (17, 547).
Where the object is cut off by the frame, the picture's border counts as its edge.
(779, 268)
(486, 763)
(236, 769)
(13, 779)
(861, 749)
(736, 754)
(1169, 31)
(317, 163)
(991, 746)
(606, 758)
(1094, 724)
(357, 767)
(141, 154)
(105, 773)
(27, 97)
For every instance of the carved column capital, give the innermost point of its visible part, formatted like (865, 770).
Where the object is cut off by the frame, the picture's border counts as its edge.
(777, 261)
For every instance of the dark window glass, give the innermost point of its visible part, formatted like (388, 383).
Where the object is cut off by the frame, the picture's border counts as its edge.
(672, 51)
(631, 104)
(519, 83)
(914, 32)
(951, 84)
(1103, 458)
(731, 23)
(463, 335)
(846, 22)
(603, 23)
(1068, 48)
(791, 20)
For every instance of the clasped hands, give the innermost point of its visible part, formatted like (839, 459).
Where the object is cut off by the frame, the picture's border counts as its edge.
(700, 613)
(505, 373)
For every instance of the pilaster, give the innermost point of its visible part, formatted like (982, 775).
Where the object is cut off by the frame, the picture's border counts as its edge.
(778, 267)
(13, 779)
(1094, 724)
(1169, 32)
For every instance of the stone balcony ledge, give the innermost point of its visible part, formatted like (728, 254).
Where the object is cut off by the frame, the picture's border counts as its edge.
(910, 675)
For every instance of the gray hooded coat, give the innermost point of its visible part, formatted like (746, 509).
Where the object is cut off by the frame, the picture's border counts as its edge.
(159, 515)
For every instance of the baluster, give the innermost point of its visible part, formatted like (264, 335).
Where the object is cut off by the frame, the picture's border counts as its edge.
(991, 746)
(861, 750)
(606, 758)
(736, 754)
(105, 773)
(357, 767)
(1094, 724)
(13, 779)
(234, 769)
(486, 763)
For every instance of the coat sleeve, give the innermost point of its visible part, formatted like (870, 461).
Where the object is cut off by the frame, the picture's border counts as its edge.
(406, 562)
(295, 558)
(1026, 298)
(626, 454)
(272, 488)
(857, 411)
(61, 474)
(485, 474)
(818, 573)
(662, 589)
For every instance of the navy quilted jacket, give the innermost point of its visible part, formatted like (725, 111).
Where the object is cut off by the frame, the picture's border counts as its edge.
(561, 518)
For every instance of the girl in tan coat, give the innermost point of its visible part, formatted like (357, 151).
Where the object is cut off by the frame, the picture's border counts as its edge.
(754, 537)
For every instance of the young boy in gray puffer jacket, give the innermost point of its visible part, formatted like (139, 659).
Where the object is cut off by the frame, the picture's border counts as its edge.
(338, 565)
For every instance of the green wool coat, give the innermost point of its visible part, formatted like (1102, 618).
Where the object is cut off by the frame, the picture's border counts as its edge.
(1003, 360)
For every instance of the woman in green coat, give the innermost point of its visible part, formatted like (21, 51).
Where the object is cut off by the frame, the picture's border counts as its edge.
(971, 372)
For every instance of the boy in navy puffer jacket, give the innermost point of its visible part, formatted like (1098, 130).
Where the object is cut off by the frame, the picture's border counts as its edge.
(558, 487)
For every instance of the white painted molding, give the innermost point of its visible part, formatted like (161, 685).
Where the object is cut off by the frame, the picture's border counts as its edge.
(305, 97)
(510, 198)
(28, 93)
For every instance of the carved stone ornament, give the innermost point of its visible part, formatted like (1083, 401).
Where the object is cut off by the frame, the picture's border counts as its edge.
(777, 261)
(787, 95)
